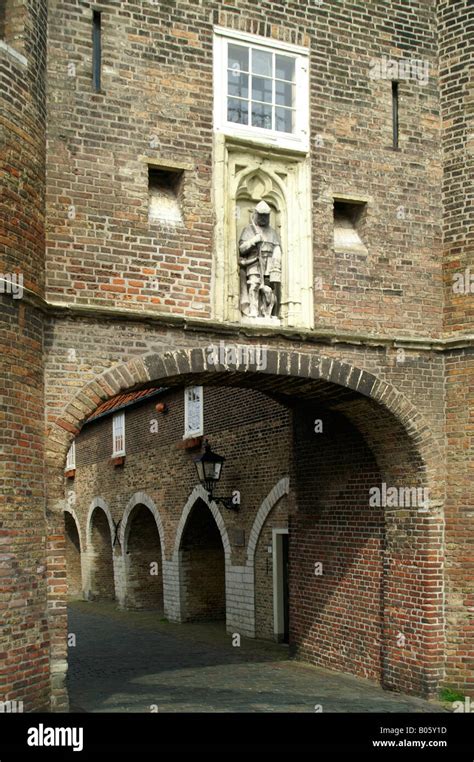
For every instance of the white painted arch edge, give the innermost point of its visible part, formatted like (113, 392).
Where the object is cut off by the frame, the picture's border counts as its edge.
(99, 502)
(140, 498)
(72, 513)
(276, 493)
(199, 493)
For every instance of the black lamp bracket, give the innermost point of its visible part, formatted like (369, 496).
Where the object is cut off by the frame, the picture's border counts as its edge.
(227, 502)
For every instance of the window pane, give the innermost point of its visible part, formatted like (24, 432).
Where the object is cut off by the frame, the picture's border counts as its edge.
(71, 456)
(262, 63)
(193, 409)
(238, 58)
(284, 94)
(285, 68)
(262, 89)
(238, 111)
(238, 84)
(261, 116)
(284, 120)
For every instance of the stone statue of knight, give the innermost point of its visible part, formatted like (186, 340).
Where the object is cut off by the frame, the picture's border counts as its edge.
(260, 266)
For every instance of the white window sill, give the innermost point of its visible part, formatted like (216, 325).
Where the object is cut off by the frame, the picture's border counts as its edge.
(281, 142)
(14, 53)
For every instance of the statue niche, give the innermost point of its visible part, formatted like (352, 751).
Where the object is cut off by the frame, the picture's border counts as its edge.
(260, 254)
(263, 254)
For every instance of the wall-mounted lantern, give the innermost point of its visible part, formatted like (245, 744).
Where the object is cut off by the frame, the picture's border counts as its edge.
(209, 469)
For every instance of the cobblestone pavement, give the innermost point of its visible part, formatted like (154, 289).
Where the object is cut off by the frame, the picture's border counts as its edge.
(131, 661)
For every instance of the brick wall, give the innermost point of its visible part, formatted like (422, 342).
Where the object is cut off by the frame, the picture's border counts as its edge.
(161, 56)
(456, 57)
(455, 82)
(374, 607)
(102, 251)
(459, 521)
(336, 616)
(24, 581)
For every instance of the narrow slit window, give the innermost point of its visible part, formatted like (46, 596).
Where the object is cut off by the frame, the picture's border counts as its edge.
(118, 426)
(193, 411)
(3, 13)
(96, 50)
(395, 125)
(71, 458)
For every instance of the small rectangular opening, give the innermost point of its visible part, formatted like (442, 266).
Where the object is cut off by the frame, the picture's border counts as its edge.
(96, 50)
(395, 125)
(3, 12)
(349, 224)
(165, 188)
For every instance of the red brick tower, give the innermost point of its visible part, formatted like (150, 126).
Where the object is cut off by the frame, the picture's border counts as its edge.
(24, 672)
(455, 19)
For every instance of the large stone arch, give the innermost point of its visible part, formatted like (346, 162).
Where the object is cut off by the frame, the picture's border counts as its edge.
(299, 373)
(366, 400)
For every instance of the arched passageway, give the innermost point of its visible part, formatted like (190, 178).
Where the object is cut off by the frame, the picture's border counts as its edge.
(144, 561)
(202, 567)
(389, 556)
(73, 557)
(102, 586)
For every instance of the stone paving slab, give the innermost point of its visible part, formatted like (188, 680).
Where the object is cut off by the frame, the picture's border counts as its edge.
(135, 661)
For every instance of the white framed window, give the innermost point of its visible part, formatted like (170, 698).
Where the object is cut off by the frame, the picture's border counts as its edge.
(193, 412)
(261, 89)
(118, 434)
(71, 457)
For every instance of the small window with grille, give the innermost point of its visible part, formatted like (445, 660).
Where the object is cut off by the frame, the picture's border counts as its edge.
(193, 412)
(118, 433)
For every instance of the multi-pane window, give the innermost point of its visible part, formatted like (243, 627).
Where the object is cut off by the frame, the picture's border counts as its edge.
(261, 87)
(193, 411)
(71, 457)
(118, 434)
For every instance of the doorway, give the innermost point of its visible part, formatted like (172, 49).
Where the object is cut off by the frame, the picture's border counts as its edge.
(280, 586)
